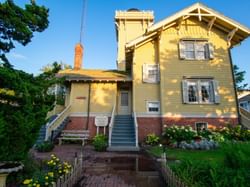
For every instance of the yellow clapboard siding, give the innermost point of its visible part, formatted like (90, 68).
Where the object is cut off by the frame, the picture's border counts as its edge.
(173, 69)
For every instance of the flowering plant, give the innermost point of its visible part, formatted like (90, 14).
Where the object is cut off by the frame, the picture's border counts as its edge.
(54, 169)
(178, 134)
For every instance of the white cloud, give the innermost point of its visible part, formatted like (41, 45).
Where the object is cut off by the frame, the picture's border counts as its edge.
(17, 56)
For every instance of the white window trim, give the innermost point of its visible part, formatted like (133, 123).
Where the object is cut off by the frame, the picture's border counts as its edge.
(199, 99)
(248, 105)
(146, 68)
(208, 49)
(153, 112)
(206, 125)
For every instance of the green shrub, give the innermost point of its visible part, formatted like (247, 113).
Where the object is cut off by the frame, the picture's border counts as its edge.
(46, 146)
(100, 142)
(178, 134)
(237, 155)
(205, 174)
(54, 169)
(235, 133)
(152, 139)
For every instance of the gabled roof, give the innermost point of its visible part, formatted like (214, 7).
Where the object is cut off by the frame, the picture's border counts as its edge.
(93, 75)
(236, 32)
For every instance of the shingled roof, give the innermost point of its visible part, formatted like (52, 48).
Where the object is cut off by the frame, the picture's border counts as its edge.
(94, 75)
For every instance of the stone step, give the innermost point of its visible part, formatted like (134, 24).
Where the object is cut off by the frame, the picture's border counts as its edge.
(117, 135)
(123, 128)
(123, 148)
(122, 139)
(123, 143)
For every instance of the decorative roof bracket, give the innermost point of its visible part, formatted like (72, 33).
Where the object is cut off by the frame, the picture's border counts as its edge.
(210, 24)
(231, 35)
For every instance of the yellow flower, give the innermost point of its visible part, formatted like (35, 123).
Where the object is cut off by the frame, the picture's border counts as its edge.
(26, 181)
(60, 171)
(51, 174)
(46, 177)
(38, 185)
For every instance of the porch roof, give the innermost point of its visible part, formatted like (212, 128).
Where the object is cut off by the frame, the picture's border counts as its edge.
(94, 75)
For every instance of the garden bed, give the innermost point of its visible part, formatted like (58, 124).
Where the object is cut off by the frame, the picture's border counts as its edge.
(228, 165)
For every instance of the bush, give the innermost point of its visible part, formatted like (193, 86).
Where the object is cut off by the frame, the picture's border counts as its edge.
(178, 134)
(205, 174)
(46, 146)
(212, 135)
(54, 169)
(235, 133)
(100, 142)
(152, 139)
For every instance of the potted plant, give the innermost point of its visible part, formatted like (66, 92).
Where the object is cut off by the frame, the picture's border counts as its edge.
(6, 168)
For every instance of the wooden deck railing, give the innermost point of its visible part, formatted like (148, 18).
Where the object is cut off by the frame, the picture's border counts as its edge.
(73, 176)
(245, 117)
(57, 122)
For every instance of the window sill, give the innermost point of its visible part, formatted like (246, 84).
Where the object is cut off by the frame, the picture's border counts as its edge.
(201, 103)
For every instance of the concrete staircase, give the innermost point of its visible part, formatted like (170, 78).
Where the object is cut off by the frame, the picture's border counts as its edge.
(123, 134)
(56, 132)
(41, 135)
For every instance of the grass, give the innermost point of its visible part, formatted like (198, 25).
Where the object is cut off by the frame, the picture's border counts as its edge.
(212, 156)
(228, 165)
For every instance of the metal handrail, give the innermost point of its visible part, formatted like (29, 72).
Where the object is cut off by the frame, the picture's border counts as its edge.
(111, 123)
(136, 129)
(56, 122)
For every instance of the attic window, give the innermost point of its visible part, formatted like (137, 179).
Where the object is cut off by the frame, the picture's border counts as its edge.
(196, 50)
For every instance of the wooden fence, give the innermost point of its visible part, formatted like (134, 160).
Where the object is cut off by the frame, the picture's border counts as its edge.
(169, 176)
(73, 176)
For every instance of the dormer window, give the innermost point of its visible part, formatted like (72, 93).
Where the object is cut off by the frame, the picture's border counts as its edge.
(196, 50)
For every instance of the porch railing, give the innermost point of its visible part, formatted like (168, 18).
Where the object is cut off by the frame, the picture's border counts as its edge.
(136, 129)
(57, 122)
(245, 117)
(111, 123)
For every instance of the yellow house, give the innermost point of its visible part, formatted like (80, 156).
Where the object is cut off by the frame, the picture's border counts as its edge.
(177, 71)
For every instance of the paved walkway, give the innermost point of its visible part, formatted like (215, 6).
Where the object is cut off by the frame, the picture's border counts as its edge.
(106, 169)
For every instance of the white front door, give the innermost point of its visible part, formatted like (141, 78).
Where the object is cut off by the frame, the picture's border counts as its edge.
(124, 103)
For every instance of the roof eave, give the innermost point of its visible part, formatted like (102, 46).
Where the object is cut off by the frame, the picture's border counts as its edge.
(160, 25)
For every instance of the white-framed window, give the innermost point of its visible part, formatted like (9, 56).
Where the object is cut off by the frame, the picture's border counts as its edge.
(200, 126)
(200, 91)
(196, 50)
(245, 105)
(153, 106)
(151, 73)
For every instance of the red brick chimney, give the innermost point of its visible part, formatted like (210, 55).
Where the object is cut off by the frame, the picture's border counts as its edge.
(78, 56)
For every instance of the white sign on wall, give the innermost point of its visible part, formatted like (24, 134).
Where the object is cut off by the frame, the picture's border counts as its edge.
(101, 121)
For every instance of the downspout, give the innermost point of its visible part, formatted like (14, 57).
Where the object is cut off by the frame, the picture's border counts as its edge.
(88, 109)
(234, 84)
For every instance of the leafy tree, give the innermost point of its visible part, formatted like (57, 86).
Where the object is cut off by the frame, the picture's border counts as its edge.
(239, 78)
(24, 103)
(24, 98)
(18, 24)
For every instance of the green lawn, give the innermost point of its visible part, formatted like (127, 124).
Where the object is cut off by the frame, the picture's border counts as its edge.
(216, 155)
(229, 165)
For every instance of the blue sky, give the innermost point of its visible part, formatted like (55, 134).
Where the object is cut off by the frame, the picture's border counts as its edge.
(57, 42)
